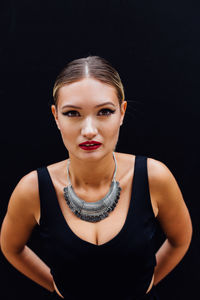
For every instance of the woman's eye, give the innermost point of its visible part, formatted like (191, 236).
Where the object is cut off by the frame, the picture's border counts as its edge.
(71, 113)
(103, 112)
(106, 112)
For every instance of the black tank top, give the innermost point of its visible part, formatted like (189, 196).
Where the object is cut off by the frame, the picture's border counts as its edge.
(119, 269)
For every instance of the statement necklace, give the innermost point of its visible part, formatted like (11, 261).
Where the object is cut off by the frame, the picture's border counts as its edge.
(93, 211)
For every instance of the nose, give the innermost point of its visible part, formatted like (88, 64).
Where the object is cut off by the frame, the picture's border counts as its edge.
(89, 129)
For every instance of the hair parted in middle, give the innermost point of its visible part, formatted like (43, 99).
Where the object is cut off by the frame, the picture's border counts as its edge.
(94, 67)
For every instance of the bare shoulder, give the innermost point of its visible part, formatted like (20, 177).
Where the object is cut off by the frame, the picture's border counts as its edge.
(164, 190)
(24, 199)
(158, 172)
(161, 181)
(27, 190)
(20, 218)
(28, 186)
(28, 182)
(173, 213)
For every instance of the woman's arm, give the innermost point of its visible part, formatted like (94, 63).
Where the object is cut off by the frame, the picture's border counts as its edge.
(17, 226)
(173, 217)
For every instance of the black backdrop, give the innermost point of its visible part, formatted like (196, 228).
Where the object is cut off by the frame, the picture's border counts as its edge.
(155, 47)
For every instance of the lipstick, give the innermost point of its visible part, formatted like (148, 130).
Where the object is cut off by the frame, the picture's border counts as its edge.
(90, 145)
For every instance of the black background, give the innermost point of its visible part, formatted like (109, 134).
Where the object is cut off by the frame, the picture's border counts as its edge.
(155, 47)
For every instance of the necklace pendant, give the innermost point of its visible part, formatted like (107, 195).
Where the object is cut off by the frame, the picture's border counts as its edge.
(93, 211)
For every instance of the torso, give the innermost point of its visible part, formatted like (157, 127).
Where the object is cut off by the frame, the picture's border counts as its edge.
(100, 232)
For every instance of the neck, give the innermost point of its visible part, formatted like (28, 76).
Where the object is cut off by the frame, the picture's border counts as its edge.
(91, 174)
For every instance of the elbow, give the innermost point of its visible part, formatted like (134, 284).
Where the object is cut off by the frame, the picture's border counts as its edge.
(183, 242)
(8, 250)
(4, 248)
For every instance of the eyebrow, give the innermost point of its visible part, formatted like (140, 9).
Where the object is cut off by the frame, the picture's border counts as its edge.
(74, 106)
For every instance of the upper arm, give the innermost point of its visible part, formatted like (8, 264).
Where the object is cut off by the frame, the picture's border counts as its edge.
(20, 218)
(173, 214)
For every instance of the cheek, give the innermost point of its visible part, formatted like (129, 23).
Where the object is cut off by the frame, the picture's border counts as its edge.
(110, 128)
(67, 131)
(110, 131)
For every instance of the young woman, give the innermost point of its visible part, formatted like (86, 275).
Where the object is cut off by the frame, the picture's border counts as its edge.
(97, 209)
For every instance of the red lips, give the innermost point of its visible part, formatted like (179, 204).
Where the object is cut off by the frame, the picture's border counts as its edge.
(89, 143)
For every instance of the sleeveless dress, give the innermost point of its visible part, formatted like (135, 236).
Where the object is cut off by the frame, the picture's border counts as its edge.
(119, 269)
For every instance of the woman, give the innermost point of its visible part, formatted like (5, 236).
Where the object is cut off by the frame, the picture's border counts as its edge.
(97, 209)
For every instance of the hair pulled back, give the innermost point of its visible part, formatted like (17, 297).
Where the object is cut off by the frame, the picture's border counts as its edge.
(94, 67)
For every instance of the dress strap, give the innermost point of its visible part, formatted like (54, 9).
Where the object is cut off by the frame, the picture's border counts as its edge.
(48, 197)
(142, 201)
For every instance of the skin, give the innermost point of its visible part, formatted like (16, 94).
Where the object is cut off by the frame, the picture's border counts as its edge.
(91, 123)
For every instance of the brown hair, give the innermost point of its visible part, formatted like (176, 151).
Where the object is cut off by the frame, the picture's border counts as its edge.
(90, 67)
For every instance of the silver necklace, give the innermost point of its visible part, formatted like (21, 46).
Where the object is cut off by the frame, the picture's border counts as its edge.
(93, 211)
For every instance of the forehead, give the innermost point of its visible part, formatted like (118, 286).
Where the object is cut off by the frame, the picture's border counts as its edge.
(87, 91)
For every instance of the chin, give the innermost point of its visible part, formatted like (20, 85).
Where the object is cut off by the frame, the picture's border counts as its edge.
(90, 155)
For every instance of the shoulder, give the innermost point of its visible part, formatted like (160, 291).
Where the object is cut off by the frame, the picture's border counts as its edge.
(164, 189)
(20, 218)
(24, 199)
(158, 177)
(173, 214)
(161, 180)
(158, 172)
(27, 185)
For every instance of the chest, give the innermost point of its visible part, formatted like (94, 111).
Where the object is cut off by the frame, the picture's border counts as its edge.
(101, 232)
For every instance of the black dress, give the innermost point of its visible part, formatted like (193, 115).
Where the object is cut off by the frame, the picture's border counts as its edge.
(119, 269)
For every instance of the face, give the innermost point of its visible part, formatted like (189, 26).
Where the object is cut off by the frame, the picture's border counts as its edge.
(88, 110)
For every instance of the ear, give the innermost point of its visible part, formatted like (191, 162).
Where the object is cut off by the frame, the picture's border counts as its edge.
(123, 110)
(55, 114)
